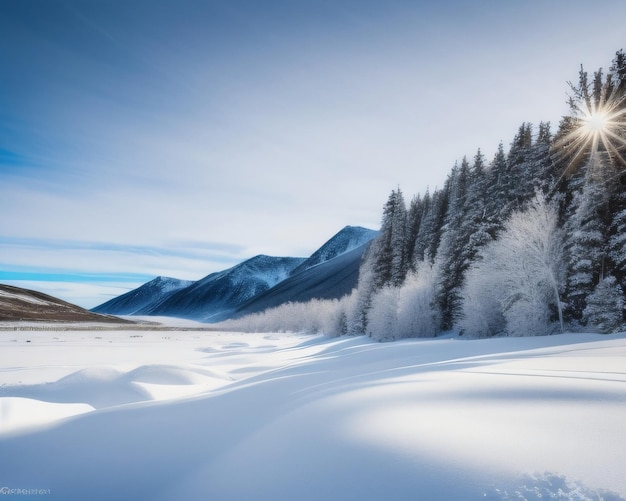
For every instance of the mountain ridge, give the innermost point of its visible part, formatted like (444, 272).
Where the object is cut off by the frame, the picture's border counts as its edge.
(233, 291)
(134, 301)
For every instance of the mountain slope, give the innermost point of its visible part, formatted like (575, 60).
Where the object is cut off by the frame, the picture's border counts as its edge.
(149, 294)
(224, 291)
(331, 279)
(17, 304)
(345, 240)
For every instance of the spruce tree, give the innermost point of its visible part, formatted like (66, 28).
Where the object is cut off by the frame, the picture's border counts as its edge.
(414, 221)
(605, 306)
(586, 246)
(617, 232)
(496, 194)
(390, 265)
(450, 256)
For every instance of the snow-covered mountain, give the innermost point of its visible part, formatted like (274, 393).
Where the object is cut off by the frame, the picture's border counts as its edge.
(224, 291)
(330, 279)
(17, 304)
(253, 285)
(148, 295)
(346, 240)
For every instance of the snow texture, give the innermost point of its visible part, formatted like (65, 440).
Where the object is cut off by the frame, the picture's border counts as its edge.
(209, 415)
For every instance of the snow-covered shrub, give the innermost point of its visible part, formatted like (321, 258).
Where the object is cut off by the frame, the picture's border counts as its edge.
(317, 316)
(417, 315)
(407, 311)
(382, 318)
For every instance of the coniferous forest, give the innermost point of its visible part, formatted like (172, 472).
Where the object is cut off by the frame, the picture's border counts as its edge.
(530, 242)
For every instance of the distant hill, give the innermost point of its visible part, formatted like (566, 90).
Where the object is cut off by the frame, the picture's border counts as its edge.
(149, 294)
(260, 282)
(17, 304)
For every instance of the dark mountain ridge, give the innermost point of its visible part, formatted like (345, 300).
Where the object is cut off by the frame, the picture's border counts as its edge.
(150, 293)
(223, 291)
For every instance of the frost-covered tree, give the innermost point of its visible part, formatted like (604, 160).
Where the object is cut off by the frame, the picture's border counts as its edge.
(605, 306)
(532, 248)
(481, 314)
(356, 315)
(526, 268)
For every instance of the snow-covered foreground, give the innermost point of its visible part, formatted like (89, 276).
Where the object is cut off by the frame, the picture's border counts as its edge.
(221, 416)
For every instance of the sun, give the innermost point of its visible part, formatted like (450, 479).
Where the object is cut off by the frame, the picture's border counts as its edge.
(599, 131)
(596, 123)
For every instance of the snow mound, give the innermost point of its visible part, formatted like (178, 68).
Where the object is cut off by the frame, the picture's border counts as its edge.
(100, 387)
(348, 418)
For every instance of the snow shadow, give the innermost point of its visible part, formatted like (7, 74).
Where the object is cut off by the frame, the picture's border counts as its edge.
(103, 387)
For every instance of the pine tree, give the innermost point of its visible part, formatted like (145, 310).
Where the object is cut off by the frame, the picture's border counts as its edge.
(475, 232)
(390, 265)
(431, 227)
(450, 262)
(618, 71)
(605, 306)
(526, 161)
(440, 202)
(384, 263)
(586, 246)
(414, 221)
(617, 232)
(496, 195)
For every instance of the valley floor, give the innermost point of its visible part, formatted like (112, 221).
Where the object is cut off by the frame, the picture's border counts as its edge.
(169, 415)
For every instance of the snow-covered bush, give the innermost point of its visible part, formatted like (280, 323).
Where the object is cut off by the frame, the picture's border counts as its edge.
(317, 316)
(407, 311)
(382, 317)
(417, 315)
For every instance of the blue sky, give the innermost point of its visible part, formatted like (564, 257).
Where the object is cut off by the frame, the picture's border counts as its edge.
(149, 137)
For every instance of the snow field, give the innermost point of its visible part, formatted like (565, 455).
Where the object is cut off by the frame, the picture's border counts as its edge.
(205, 415)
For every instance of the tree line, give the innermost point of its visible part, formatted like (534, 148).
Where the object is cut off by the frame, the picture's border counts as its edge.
(530, 242)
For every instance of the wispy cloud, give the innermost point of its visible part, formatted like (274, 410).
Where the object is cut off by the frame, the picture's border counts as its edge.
(160, 137)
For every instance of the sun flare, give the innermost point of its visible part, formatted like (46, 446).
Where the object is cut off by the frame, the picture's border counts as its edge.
(600, 128)
(595, 123)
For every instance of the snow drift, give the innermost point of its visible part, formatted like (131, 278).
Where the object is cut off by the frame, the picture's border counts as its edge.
(294, 417)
